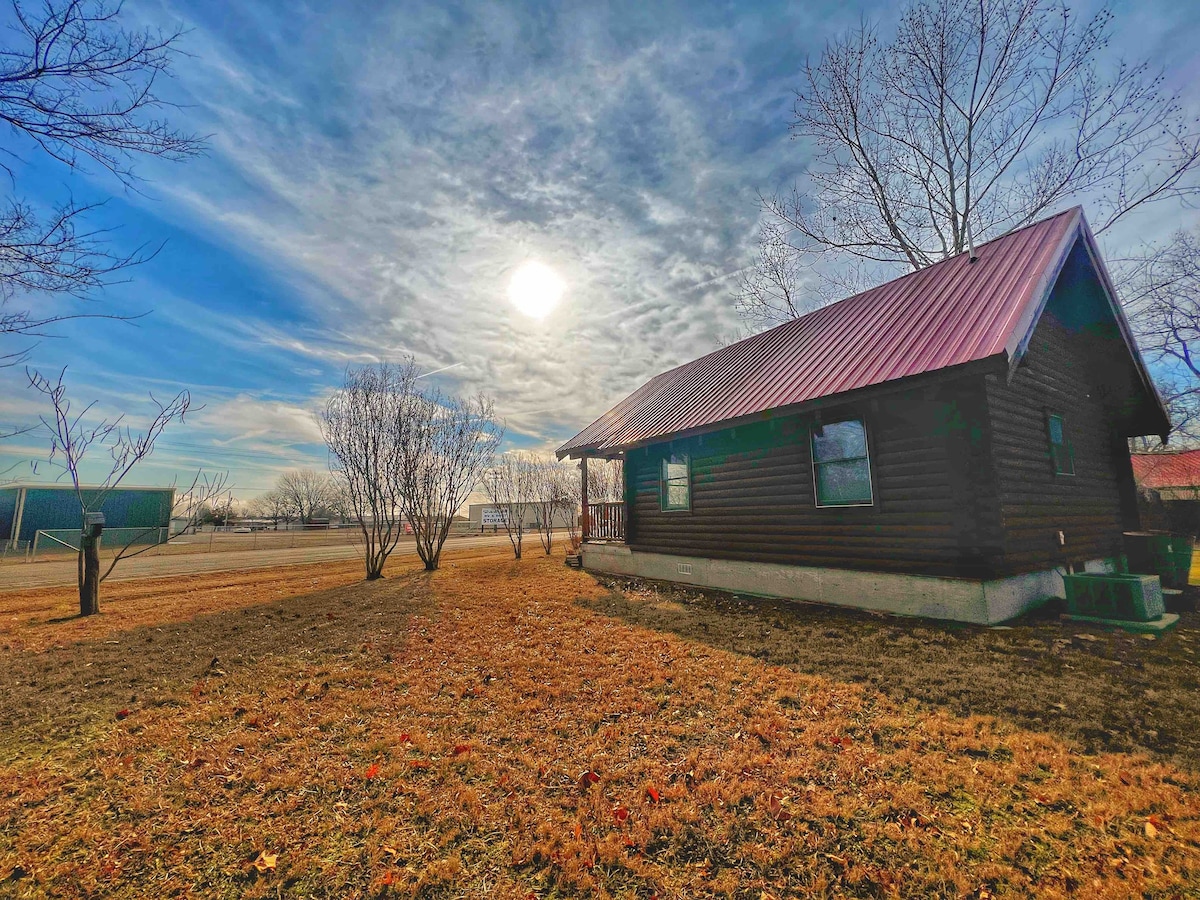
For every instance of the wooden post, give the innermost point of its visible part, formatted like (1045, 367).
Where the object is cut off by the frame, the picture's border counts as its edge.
(89, 588)
(585, 520)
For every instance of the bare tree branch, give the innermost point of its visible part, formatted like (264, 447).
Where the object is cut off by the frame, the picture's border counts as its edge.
(80, 88)
(72, 435)
(975, 117)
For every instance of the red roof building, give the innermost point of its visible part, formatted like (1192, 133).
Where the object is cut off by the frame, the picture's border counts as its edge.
(1176, 476)
(946, 444)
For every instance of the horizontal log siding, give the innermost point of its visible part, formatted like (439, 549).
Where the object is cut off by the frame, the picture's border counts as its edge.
(752, 491)
(1058, 374)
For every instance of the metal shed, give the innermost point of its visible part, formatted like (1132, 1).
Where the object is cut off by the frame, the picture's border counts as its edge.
(140, 513)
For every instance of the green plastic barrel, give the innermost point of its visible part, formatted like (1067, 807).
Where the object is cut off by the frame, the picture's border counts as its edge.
(1169, 556)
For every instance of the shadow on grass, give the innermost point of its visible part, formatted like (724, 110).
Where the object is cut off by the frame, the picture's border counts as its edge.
(50, 696)
(1097, 690)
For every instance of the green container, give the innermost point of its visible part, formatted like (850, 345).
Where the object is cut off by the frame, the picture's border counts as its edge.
(1134, 598)
(1169, 556)
(1183, 561)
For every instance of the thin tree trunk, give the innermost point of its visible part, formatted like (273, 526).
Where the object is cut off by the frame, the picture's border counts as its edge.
(89, 588)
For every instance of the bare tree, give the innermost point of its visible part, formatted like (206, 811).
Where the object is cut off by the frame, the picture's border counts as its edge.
(71, 437)
(446, 443)
(79, 87)
(207, 491)
(513, 484)
(362, 424)
(606, 481)
(271, 505)
(1162, 296)
(558, 485)
(974, 118)
(304, 492)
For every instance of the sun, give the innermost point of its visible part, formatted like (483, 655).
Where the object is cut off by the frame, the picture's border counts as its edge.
(535, 289)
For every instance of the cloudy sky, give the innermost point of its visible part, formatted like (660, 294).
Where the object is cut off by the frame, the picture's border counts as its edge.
(377, 171)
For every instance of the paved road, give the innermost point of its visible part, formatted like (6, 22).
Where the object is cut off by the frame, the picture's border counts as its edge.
(22, 576)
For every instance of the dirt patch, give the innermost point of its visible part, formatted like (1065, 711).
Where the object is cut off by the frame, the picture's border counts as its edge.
(1100, 690)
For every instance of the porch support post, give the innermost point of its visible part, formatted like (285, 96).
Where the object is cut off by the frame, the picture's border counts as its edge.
(585, 519)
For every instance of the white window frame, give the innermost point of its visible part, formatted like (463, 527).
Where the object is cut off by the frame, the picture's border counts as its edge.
(812, 455)
(664, 482)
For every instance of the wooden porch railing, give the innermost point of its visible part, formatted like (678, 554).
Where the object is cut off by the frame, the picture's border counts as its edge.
(604, 522)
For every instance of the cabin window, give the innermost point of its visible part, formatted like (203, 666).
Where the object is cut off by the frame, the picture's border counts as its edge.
(841, 468)
(1062, 454)
(676, 483)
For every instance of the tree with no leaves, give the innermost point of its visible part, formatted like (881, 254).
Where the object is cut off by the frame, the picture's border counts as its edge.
(305, 493)
(1162, 297)
(513, 484)
(362, 424)
(71, 437)
(207, 492)
(271, 505)
(974, 118)
(558, 493)
(80, 88)
(446, 444)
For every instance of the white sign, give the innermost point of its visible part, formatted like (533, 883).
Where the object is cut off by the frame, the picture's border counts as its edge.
(494, 515)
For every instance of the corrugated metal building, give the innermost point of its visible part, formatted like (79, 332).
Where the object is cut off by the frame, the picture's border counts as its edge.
(26, 509)
(946, 444)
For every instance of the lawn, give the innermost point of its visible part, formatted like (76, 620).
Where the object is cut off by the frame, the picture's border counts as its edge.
(515, 729)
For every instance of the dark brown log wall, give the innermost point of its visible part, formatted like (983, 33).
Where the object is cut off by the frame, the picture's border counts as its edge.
(753, 496)
(1058, 374)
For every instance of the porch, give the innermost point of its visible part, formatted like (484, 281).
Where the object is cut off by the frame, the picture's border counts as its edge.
(604, 521)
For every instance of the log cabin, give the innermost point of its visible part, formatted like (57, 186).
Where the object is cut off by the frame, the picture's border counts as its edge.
(947, 444)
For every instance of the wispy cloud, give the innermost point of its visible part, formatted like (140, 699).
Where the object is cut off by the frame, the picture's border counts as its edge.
(378, 171)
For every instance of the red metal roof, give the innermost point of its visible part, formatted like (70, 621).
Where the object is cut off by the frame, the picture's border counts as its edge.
(1167, 470)
(953, 312)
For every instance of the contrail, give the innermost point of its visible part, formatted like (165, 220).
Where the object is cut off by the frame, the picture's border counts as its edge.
(442, 369)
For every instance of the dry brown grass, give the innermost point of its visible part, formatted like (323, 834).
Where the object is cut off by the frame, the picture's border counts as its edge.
(478, 733)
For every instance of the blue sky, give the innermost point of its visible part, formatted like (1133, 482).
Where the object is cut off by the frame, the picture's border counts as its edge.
(375, 173)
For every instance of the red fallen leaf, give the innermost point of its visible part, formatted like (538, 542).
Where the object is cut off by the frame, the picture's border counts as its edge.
(578, 831)
(621, 814)
(461, 748)
(372, 771)
(404, 738)
(587, 779)
(389, 877)
(653, 793)
(418, 764)
(122, 714)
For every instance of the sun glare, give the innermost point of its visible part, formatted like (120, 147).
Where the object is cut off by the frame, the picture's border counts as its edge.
(535, 289)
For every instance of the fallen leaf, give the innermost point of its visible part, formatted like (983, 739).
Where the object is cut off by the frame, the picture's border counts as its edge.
(587, 779)
(122, 714)
(461, 748)
(372, 771)
(1151, 831)
(266, 862)
(621, 814)
(653, 793)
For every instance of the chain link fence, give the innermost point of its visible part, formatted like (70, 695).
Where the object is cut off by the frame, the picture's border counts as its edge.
(67, 540)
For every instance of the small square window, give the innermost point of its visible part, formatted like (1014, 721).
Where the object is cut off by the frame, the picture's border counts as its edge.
(1062, 454)
(841, 467)
(676, 483)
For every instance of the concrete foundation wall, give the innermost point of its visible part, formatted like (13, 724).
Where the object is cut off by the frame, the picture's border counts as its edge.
(957, 599)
